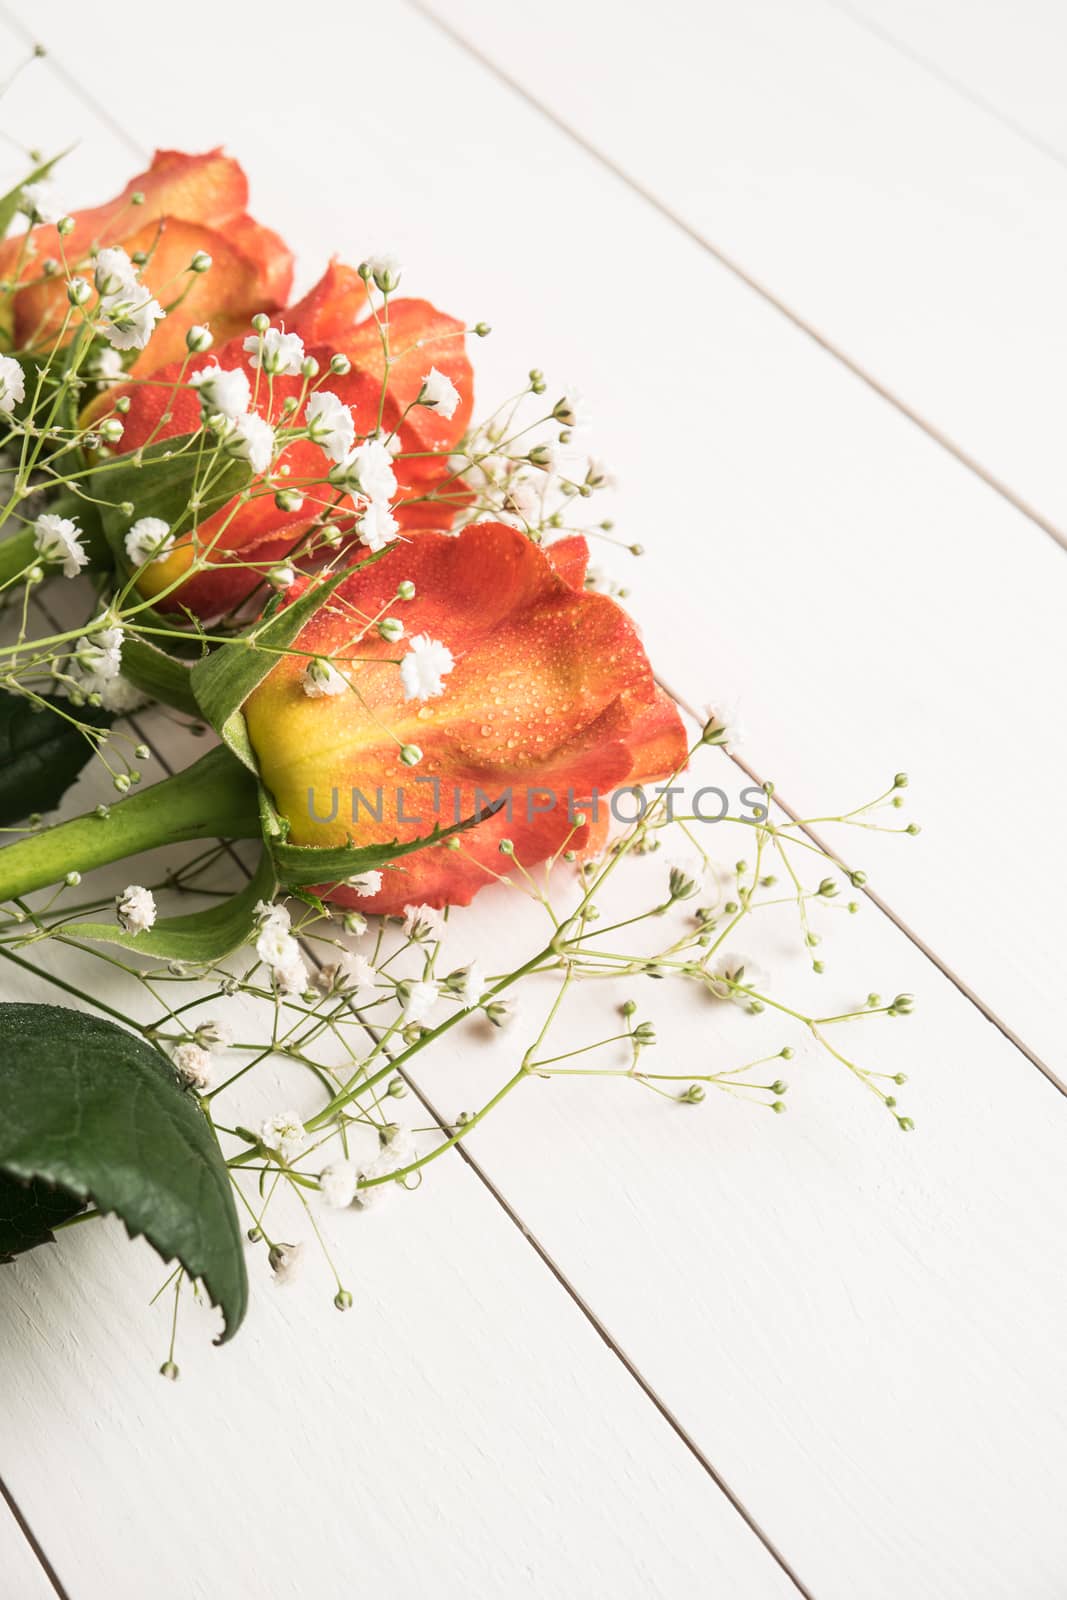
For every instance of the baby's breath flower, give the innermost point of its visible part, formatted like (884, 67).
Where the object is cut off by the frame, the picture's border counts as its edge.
(732, 974)
(358, 974)
(37, 201)
(114, 272)
(418, 997)
(223, 390)
(59, 539)
(365, 884)
(468, 983)
(367, 470)
(321, 678)
(148, 540)
(385, 269)
(337, 1184)
(330, 424)
(572, 409)
(252, 440)
(105, 365)
(423, 922)
(285, 1133)
(285, 1262)
(439, 392)
(135, 908)
(423, 669)
(377, 525)
(194, 1064)
(397, 1152)
(12, 384)
(723, 726)
(279, 354)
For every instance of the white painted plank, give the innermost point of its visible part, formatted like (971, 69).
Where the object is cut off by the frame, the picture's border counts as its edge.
(872, 602)
(904, 224)
(21, 1573)
(792, 1341)
(1007, 58)
(465, 1427)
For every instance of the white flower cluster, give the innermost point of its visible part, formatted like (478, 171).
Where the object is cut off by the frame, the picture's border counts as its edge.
(128, 310)
(278, 950)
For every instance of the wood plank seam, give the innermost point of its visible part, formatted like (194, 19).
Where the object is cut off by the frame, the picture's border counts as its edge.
(930, 429)
(887, 910)
(939, 75)
(31, 1539)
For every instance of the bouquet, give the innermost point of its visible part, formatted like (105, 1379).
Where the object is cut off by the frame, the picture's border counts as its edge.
(272, 532)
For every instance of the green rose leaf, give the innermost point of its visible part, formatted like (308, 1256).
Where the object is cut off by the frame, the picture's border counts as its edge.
(155, 672)
(29, 1212)
(92, 1110)
(198, 936)
(41, 753)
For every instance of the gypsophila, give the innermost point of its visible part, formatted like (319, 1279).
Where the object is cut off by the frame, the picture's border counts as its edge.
(337, 1184)
(418, 997)
(285, 1261)
(285, 1133)
(423, 669)
(439, 392)
(252, 440)
(12, 384)
(194, 1064)
(365, 883)
(135, 908)
(148, 540)
(377, 526)
(732, 975)
(279, 354)
(321, 678)
(59, 539)
(423, 922)
(330, 424)
(222, 390)
(397, 1153)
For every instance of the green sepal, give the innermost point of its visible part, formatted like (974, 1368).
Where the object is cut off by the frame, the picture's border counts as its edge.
(197, 937)
(298, 865)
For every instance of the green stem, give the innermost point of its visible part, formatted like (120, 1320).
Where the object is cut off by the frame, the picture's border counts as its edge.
(214, 798)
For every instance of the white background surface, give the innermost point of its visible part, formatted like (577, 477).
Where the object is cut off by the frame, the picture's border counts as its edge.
(808, 261)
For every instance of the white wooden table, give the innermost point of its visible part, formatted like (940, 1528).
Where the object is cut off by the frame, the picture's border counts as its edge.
(808, 261)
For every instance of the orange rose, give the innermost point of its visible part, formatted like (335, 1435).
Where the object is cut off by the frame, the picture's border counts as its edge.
(332, 319)
(188, 204)
(551, 700)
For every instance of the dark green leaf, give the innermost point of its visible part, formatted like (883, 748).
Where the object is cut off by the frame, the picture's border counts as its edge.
(88, 1107)
(29, 1212)
(41, 753)
(198, 936)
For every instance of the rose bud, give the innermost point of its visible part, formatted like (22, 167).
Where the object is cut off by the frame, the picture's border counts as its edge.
(189, 208)
(264, 530)
(526, 685)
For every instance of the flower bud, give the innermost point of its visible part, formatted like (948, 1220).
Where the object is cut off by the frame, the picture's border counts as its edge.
(111, 430)
(405, 590)
(288, 500)
(198, 339)
(281, 577)
(340, 365)
(261, 322)
(410, 755)
(78, 291)
(390, 629)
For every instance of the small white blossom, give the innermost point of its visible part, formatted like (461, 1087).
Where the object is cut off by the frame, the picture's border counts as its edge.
(285, 1262)
(37, 201)
(419, 997)
(723, 726)
(440, 392)
(367, 469)
(321, 678)
(269, 915)
(377, 525)
(330, 424)
(223, 390)
(526, 498)
(386, 270)
(572, 409)
(97, 656)
(12, 384)
(279, 354)
(395, 1154)
(194, 1064)
(285, 1133)
(359, 975)
(148, 540)
(423, 669)
(214, 1034)
(135, 908)
(114, 272)
(365, 884)
(59, 539)
(117, 694)
(732, 970)
(105, 365)
(423, 922)
(276, 946)
(252, 440)
(469, 984)
(292, 976)
(337, 1184)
